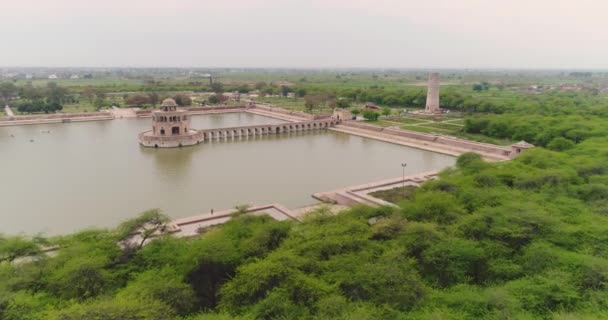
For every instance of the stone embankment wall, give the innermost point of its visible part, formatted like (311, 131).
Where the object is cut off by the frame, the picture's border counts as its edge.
(360, 194)
(187, 227)
(146, 139)
(272, 111)
(436, 139)
(197, 110)
(298, 114)
(55, 118)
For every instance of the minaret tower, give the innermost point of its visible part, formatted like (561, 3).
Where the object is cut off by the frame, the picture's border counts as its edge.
(432, 94)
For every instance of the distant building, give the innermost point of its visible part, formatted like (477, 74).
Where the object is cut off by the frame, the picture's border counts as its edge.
(53, 77)
(520, 147)
(343, 114)
(29, 76)
(10, 75)
(170, 128)
(371, 106)
(74, 77)
(283, 83)
(236, 96)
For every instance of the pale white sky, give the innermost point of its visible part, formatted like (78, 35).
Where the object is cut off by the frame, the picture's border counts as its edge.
(298, 33)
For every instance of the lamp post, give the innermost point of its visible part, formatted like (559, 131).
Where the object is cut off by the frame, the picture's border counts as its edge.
(403, 165)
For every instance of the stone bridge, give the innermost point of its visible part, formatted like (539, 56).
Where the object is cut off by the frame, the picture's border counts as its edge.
(256, 130)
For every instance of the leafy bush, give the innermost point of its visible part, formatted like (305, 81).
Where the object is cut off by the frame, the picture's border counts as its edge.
(370, 115)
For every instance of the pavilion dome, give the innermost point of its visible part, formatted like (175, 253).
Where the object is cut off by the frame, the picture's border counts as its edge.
(169, 103)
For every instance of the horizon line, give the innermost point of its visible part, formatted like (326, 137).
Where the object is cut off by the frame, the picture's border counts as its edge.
(316, 68)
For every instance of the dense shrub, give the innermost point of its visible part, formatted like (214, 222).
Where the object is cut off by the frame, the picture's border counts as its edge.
(524, 239)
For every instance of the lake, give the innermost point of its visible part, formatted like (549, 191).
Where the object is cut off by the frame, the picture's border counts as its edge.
(77, 175)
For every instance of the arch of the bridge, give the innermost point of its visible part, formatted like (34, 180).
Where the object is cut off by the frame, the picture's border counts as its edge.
(240, 132)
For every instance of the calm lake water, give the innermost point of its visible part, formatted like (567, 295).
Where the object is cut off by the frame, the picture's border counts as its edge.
(95, 173)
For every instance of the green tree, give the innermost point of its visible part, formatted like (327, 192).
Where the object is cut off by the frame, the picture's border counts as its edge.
(133, 233)
(285, 90)
(7, 90)
(343, 103)
(560, 144)
(370, 115)
(182, 100)
(312, 102)
(260, 85)
(100, 103)
(213, 99)
(386, 111)
(153, 98)
(112, 309)
(137, 100)
(13, 247)
(31, 93)
(217, 87)
(301, 92)
(80, 278)
(55, 93)
(163, 285)
(455, 261)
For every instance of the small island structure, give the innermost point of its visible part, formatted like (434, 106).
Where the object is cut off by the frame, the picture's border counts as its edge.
(170, 128)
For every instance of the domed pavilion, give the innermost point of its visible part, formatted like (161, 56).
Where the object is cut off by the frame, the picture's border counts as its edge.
(170, 128)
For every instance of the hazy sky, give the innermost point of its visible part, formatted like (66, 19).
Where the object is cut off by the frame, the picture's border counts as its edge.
(298, 33)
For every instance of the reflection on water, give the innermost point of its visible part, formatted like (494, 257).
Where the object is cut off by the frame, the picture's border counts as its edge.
(96, 174)
(171, 164)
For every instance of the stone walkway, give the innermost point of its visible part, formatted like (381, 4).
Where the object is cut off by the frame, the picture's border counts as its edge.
(419, 144)
(300, 213)
(119, 113)
(189, 226)
(276, 115)
(360, 194)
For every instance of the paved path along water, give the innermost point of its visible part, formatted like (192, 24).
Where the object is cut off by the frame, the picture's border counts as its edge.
(123, 112)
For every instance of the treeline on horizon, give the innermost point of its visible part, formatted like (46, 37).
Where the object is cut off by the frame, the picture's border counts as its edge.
(458, 98)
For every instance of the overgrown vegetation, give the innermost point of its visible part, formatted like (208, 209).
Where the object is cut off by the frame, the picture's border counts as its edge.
(511, 240)
(395, 195)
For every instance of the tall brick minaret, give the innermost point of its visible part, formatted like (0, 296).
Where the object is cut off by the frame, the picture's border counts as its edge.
(432, 94)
